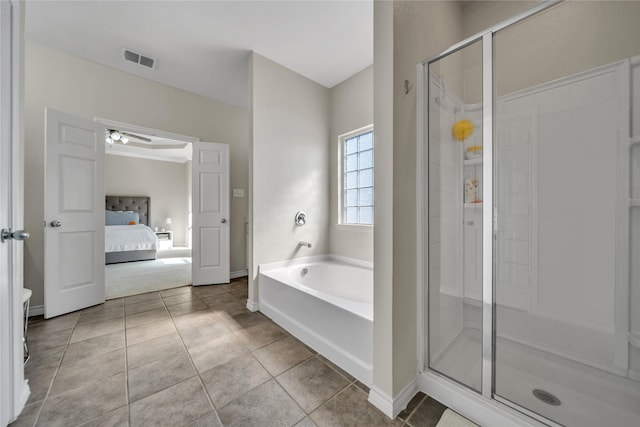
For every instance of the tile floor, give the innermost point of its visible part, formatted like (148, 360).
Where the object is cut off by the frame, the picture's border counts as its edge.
(190, 357)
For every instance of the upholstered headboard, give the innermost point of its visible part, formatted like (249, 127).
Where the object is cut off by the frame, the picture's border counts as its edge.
(138, 204)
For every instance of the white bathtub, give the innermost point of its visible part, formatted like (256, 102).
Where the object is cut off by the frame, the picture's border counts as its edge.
(327, 303)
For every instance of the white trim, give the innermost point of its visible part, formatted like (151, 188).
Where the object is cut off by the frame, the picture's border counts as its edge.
(23, 396)
(37, 310)
(14, 390)
(239, 273)
(622, 284)
(421, 212)
(253, 305)
(391, 407)
(381, 400)
(488, 216)
(359, 228)
(403, 398)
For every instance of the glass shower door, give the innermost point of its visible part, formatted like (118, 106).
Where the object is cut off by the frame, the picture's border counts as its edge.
(454, 161)
(566, 168)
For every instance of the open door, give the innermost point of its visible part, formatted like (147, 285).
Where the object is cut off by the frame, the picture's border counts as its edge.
(73, 213)
(14, 390)
(210, 169)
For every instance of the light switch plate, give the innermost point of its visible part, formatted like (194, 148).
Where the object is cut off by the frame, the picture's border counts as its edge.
(238, 192)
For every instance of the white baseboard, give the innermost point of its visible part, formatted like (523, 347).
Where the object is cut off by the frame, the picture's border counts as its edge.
(403, 398)
(390, 406)
(253, 305)
(236, 274)
(36, 310)
(381, 400)
(22, 399)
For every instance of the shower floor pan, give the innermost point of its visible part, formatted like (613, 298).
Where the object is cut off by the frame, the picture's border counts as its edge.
(588, 396)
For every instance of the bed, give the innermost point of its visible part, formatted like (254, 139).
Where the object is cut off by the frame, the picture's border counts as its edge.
(125, 242)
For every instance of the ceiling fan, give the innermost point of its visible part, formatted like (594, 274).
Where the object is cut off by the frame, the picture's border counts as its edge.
(114, 136)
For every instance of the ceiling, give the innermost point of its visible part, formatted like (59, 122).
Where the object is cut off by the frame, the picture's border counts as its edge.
(203, 46)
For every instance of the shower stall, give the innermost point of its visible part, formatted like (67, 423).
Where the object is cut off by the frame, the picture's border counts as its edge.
(529, 141)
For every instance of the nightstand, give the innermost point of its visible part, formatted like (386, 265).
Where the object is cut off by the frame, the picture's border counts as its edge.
(165, 239)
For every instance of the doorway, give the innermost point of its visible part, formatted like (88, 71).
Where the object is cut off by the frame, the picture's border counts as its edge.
(77, 277)
(148, 170)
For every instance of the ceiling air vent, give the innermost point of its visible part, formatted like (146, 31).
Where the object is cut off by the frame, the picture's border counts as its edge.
(134, 57)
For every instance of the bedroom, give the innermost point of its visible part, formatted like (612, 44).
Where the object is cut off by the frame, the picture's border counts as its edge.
(164, 177)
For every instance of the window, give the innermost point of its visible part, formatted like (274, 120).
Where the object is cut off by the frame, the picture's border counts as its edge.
(357, 177)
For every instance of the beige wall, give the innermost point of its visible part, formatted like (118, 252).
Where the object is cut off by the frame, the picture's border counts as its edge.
(478, 16)
(418, 30)
(290, 164)
(351, 109)
(164, 182)
(592, 34)
(63, 82)
(383, 192)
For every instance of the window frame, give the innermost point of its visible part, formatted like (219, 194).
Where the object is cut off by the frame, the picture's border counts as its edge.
(342, 224)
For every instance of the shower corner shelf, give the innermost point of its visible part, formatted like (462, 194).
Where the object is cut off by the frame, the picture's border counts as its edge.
(471, 162)
(472, 205)
(634, 203)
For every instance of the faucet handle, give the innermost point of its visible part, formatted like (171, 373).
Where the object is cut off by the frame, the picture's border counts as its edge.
(301, 218)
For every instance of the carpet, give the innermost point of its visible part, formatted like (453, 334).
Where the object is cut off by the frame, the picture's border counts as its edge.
(452, 419)
(131, 278)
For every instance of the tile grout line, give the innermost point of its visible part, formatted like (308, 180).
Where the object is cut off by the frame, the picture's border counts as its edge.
(193, 365)
(55, 374)
(308, 414)
(77, 325)
(125, 360)
(335, 396)
(251, 353)
(406, 421)
(126, 363)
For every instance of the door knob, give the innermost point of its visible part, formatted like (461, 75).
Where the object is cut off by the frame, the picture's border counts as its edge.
(55, 223)
(7, 234)
(223, 220)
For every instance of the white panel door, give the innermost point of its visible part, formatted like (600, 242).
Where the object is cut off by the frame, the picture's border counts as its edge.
(73, 214)
(210, 213)
(14, 390)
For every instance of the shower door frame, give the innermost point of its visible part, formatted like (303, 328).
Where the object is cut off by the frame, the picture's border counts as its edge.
(485, 407)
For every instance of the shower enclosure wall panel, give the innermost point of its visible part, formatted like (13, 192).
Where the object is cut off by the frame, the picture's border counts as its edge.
(547, 148)
(557, 253)
(634, 203)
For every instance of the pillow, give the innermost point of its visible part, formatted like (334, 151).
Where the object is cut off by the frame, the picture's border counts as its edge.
(121, 218)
